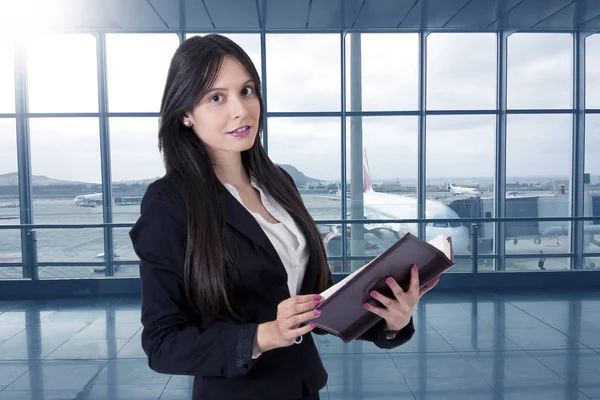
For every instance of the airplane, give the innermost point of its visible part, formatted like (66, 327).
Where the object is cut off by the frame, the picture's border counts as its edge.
(461, 190)
(379, 205)
(87, 200)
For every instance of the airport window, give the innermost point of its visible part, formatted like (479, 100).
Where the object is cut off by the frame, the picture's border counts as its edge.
(7, 75)
(376, 238)
(304, 72)
(65, 164)
(460, 155)
(540, 72)
(309, 149)
(250, 42)
(592, 72)
(137, 66)
(123, 252)
(460, 175)
(389, 71)
(62, 73)
(592, 187)
(390, 147)
(67, 192)
(388, 172)
(592, 262)
(538, 163)
(70, 246)
(539, 263)
(135, 163)
(10, 240)
(461, 71)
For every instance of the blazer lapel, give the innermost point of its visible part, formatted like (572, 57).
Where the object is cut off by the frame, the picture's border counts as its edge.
(238, 217)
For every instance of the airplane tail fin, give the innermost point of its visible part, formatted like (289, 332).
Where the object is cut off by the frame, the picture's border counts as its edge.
(366, 173)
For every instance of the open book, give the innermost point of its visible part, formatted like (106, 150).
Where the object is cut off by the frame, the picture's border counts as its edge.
(342, 309)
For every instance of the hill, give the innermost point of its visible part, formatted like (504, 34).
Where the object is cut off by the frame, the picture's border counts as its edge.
(298, 176)
(11, 180)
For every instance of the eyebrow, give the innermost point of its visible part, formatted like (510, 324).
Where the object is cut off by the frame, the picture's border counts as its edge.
(223, 89)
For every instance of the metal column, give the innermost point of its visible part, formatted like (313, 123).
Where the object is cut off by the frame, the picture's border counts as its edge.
(422, 157)
(578, 146)
(343, 187)
(500, 178)
(105, 154)
(28, 236)
(357, 231)
(263, 67)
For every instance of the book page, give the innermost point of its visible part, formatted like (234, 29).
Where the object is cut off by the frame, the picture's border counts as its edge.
(442, 244)
(327, 293)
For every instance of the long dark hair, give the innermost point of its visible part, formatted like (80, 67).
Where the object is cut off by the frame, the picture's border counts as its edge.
(193, 70)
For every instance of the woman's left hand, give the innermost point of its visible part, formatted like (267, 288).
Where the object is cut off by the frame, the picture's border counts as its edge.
(398, 311)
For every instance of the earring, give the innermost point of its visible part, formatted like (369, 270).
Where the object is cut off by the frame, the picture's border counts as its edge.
(187, 123)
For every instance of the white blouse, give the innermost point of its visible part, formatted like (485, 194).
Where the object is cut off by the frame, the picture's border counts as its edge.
(286, 237)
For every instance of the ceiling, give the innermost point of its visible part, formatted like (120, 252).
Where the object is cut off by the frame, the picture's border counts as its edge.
(300, 15)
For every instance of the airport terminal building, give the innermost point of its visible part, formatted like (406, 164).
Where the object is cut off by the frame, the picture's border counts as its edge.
(477, 120)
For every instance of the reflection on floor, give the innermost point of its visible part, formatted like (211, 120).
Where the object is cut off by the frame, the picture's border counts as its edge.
(542, 345)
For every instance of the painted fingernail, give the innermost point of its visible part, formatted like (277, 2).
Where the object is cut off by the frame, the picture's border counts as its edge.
(365, 305)
(373, 293)
(389, 280)
(317, 297)
(313, 324)
(318, 312)
(414, 267)
(319, 303)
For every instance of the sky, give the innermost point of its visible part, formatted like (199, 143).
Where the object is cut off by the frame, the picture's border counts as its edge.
(304, 75)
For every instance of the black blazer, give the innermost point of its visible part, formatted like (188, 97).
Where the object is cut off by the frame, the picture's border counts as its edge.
(215, 350)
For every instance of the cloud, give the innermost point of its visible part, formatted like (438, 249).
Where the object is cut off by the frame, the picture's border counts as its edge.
(389, 72)
(310, 144)
(538, 145)
(7, 81)
(592, 144)
(66, 148)
(303, 72)
(461, 71)
(540, 73)
(592, 72)
(134, 149)
(461, 146)
(58, 81)
(137, 66)
(8, 146)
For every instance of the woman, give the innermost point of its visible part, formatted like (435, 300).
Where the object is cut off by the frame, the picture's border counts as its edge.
(230, 259)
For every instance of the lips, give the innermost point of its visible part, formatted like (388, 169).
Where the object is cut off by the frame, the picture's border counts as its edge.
(241, 131)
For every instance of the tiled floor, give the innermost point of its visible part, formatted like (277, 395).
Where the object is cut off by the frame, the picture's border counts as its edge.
(467, 346)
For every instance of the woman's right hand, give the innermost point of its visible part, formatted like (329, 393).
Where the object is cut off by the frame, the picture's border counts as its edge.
(283, 331)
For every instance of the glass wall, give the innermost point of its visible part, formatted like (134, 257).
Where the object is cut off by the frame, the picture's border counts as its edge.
(364, 128)
(7, 75)
(592, 147)
(10, 240)
(538, 154)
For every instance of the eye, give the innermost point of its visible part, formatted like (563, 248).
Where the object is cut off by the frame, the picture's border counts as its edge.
(216, 98)
(247, 91)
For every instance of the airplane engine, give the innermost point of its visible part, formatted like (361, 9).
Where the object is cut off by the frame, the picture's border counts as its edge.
(376, 240)
(333, 244)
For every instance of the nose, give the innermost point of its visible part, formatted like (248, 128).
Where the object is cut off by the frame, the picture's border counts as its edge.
(238, 108)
